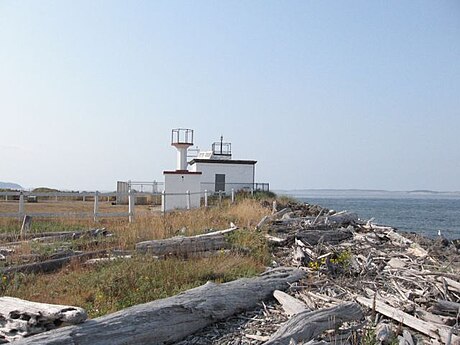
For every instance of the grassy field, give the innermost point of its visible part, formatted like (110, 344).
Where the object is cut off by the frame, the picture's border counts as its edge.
(108, 287)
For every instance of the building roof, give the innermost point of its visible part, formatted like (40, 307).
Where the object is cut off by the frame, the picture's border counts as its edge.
(223, 161)
(183, 172)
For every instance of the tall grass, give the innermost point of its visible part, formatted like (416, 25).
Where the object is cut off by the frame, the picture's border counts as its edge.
(114, 285)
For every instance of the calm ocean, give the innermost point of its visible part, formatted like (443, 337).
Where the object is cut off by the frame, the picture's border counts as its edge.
(425, 214)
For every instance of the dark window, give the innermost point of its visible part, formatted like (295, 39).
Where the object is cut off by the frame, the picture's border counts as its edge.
(220, 182)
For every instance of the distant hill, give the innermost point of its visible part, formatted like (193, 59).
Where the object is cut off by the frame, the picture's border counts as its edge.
(44, 190)
(10, 185)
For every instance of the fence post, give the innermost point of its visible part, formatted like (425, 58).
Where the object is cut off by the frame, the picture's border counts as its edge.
(21, 205)
(233, 195)
(96, 205)
(187, 193)
(220, 197)
(163, 201)
(252, 192)
(131, 203)
(205, 198)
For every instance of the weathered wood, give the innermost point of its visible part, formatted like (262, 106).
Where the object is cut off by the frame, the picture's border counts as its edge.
(313, 237)
(308, 324)
(184, 246)
(50, 265)
(446, 308)
(171, 319)
(12, 238)
(291, 305)
(26, 224)
(73, 235)
(442, 333)
(20, 318)
(276, 241)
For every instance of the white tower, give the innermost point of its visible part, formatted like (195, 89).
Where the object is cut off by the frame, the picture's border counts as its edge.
(182, 139)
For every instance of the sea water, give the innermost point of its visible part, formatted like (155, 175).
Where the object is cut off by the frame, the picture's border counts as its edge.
(421, 214)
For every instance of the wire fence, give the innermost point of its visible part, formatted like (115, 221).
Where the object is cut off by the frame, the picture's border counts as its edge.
(169, 201)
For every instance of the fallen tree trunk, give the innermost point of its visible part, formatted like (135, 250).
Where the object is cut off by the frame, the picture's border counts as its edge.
(435, 331)
(307, 325)
(58, 235)
(291, 305)
(20, 318)
(446, 308)
(50, 265)
(185, 246)
(171, 319)
(313, 237)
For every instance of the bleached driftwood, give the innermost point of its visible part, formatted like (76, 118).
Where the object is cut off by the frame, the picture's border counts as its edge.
(291, 305)
(20, 318)
(184, 246)
(58, 235)
(442, 333)
(446, 308)
(313, 237)
(72, 235)
(171, 319)
(341, 218)
(308, 324)
(51, 265)
(276, 241)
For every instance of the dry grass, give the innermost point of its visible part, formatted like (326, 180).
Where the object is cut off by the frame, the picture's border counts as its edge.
(109, 287)
(115, 285)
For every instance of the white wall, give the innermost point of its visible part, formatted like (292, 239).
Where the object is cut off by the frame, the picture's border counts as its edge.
(237, 176)
(181, 183)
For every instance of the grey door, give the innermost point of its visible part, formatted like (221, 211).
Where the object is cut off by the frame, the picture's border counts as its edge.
(220, 183)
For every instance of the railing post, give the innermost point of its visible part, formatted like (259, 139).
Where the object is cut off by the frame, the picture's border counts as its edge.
(131, 203)
(252, 192)
(163, 201)
(187, 193)
(96, 205)
(205, 198)
(21, 205)
(220, 197)
(233, 195)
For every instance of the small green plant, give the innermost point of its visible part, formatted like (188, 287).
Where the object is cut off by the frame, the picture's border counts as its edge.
(341, 259)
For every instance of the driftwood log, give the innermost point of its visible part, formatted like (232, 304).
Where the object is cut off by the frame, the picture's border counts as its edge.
(306, 325)
(185, 246)
(291, 305)
(171, 319)
(313, 237)
(54, 236)
(435, 331)
(51, 265)
(447, 308)
(20, 318)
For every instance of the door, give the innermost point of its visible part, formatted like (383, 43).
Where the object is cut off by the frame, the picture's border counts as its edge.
(220, 183)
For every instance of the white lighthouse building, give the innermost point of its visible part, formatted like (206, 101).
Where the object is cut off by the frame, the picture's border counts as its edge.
(212, 171)
(182, 188)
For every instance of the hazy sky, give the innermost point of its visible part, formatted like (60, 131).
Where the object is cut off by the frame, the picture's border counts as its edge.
(324, 94)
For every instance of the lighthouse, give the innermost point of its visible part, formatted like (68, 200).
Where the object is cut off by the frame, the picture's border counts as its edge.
(182, 187)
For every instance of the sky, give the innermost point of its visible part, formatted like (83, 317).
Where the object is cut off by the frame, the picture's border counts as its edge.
(323, 94)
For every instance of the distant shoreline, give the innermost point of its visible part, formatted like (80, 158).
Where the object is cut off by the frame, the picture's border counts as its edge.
(364, 193)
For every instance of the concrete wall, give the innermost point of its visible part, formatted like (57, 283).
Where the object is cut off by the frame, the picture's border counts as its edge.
(237, 176)
(180, 183)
